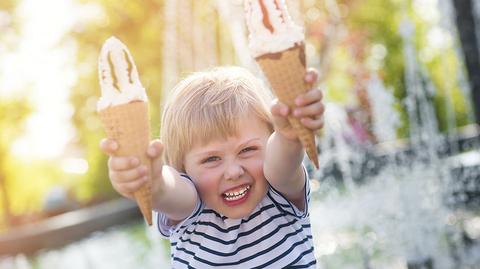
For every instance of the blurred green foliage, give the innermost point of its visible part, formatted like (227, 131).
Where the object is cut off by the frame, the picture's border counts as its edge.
(363, 27)
(13, 112)
(8, 6)
(12, 115)
(381, 26)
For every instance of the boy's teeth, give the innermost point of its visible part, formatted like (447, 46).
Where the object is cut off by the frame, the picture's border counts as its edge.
(230, 196)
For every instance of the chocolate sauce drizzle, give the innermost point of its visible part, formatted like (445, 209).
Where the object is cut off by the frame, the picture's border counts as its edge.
(112, 69)
(266, 19)
(129, 67)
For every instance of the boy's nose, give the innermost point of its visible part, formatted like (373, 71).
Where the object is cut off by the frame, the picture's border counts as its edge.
(233, 171)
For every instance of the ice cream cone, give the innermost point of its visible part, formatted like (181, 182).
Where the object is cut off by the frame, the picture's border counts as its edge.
(286, 71)
(129, 125)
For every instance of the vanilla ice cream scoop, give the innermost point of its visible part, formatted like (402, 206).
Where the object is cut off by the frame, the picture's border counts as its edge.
(271, 27)
(118, 76)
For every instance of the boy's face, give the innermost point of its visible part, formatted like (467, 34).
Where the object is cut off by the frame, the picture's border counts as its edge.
(228, 172)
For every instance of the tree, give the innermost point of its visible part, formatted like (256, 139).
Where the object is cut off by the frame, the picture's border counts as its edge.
(466, 28)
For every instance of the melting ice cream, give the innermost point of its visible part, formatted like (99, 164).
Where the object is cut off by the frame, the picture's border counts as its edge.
(271, 27)
(118, 76)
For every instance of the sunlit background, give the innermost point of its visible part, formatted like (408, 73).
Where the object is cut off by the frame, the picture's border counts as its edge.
(42, 70)
(49, 130)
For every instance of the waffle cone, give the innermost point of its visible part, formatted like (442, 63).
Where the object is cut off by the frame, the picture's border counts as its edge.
(286, 73)
(129, 125)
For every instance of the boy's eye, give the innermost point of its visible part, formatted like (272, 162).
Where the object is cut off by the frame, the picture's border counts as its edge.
(211, 159)
(248, 149)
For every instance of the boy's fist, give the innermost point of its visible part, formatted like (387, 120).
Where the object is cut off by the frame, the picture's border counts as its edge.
(309, 109)
(125, 173)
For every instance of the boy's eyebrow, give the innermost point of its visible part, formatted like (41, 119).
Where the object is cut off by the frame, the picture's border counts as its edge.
(248, 142)
(213, 152)
(206, 153)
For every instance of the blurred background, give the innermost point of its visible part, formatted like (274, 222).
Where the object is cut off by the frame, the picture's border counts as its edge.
(399, 183)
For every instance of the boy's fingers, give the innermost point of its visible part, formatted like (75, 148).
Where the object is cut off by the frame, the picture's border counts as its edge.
(311, 96)
(155, 148)
(312, 124)
(131, 186)
(311, 76)
(157, 166)
(312, 110)
(280, 112)
(122, 163)
(128, 175)
(108, 146)
(279, 109)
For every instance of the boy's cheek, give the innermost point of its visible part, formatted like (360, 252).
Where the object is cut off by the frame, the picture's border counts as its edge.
(208, 193)
(206, 188)
(257, 165)
(207, 184)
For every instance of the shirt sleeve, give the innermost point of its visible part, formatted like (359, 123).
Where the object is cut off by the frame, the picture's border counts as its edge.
(162, 221)
(284, 205)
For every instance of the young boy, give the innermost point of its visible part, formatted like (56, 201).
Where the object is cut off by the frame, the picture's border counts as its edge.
(231, 191)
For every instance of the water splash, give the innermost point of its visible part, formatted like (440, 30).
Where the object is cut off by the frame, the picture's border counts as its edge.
(405, 211)
(121, 247)
(385, 118)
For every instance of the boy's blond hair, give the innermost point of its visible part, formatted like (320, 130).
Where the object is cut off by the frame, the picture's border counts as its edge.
(207, 105)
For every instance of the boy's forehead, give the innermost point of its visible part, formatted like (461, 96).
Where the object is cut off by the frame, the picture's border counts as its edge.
(219, 144)
(246, 131)
(216, 139)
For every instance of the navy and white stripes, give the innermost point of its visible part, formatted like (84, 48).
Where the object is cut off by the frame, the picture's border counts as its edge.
(275, 235)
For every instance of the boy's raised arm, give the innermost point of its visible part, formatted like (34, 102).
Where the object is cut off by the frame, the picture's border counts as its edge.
(282, 167)
(173, 196)
(284, 153)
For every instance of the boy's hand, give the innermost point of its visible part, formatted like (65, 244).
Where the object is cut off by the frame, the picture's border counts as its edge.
(309, 109)
(126, 174)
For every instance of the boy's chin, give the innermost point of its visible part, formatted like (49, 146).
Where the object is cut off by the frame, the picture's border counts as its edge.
(236, 212)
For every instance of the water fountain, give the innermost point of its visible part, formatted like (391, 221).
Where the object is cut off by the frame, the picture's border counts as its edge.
(411, 211)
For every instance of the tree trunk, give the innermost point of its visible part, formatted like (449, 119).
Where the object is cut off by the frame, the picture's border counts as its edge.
(466, 28)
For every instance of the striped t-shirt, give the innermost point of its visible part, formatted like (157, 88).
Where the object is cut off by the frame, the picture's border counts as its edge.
(275, 235)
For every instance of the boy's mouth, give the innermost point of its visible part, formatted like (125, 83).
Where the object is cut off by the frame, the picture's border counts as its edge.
(236, 195)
